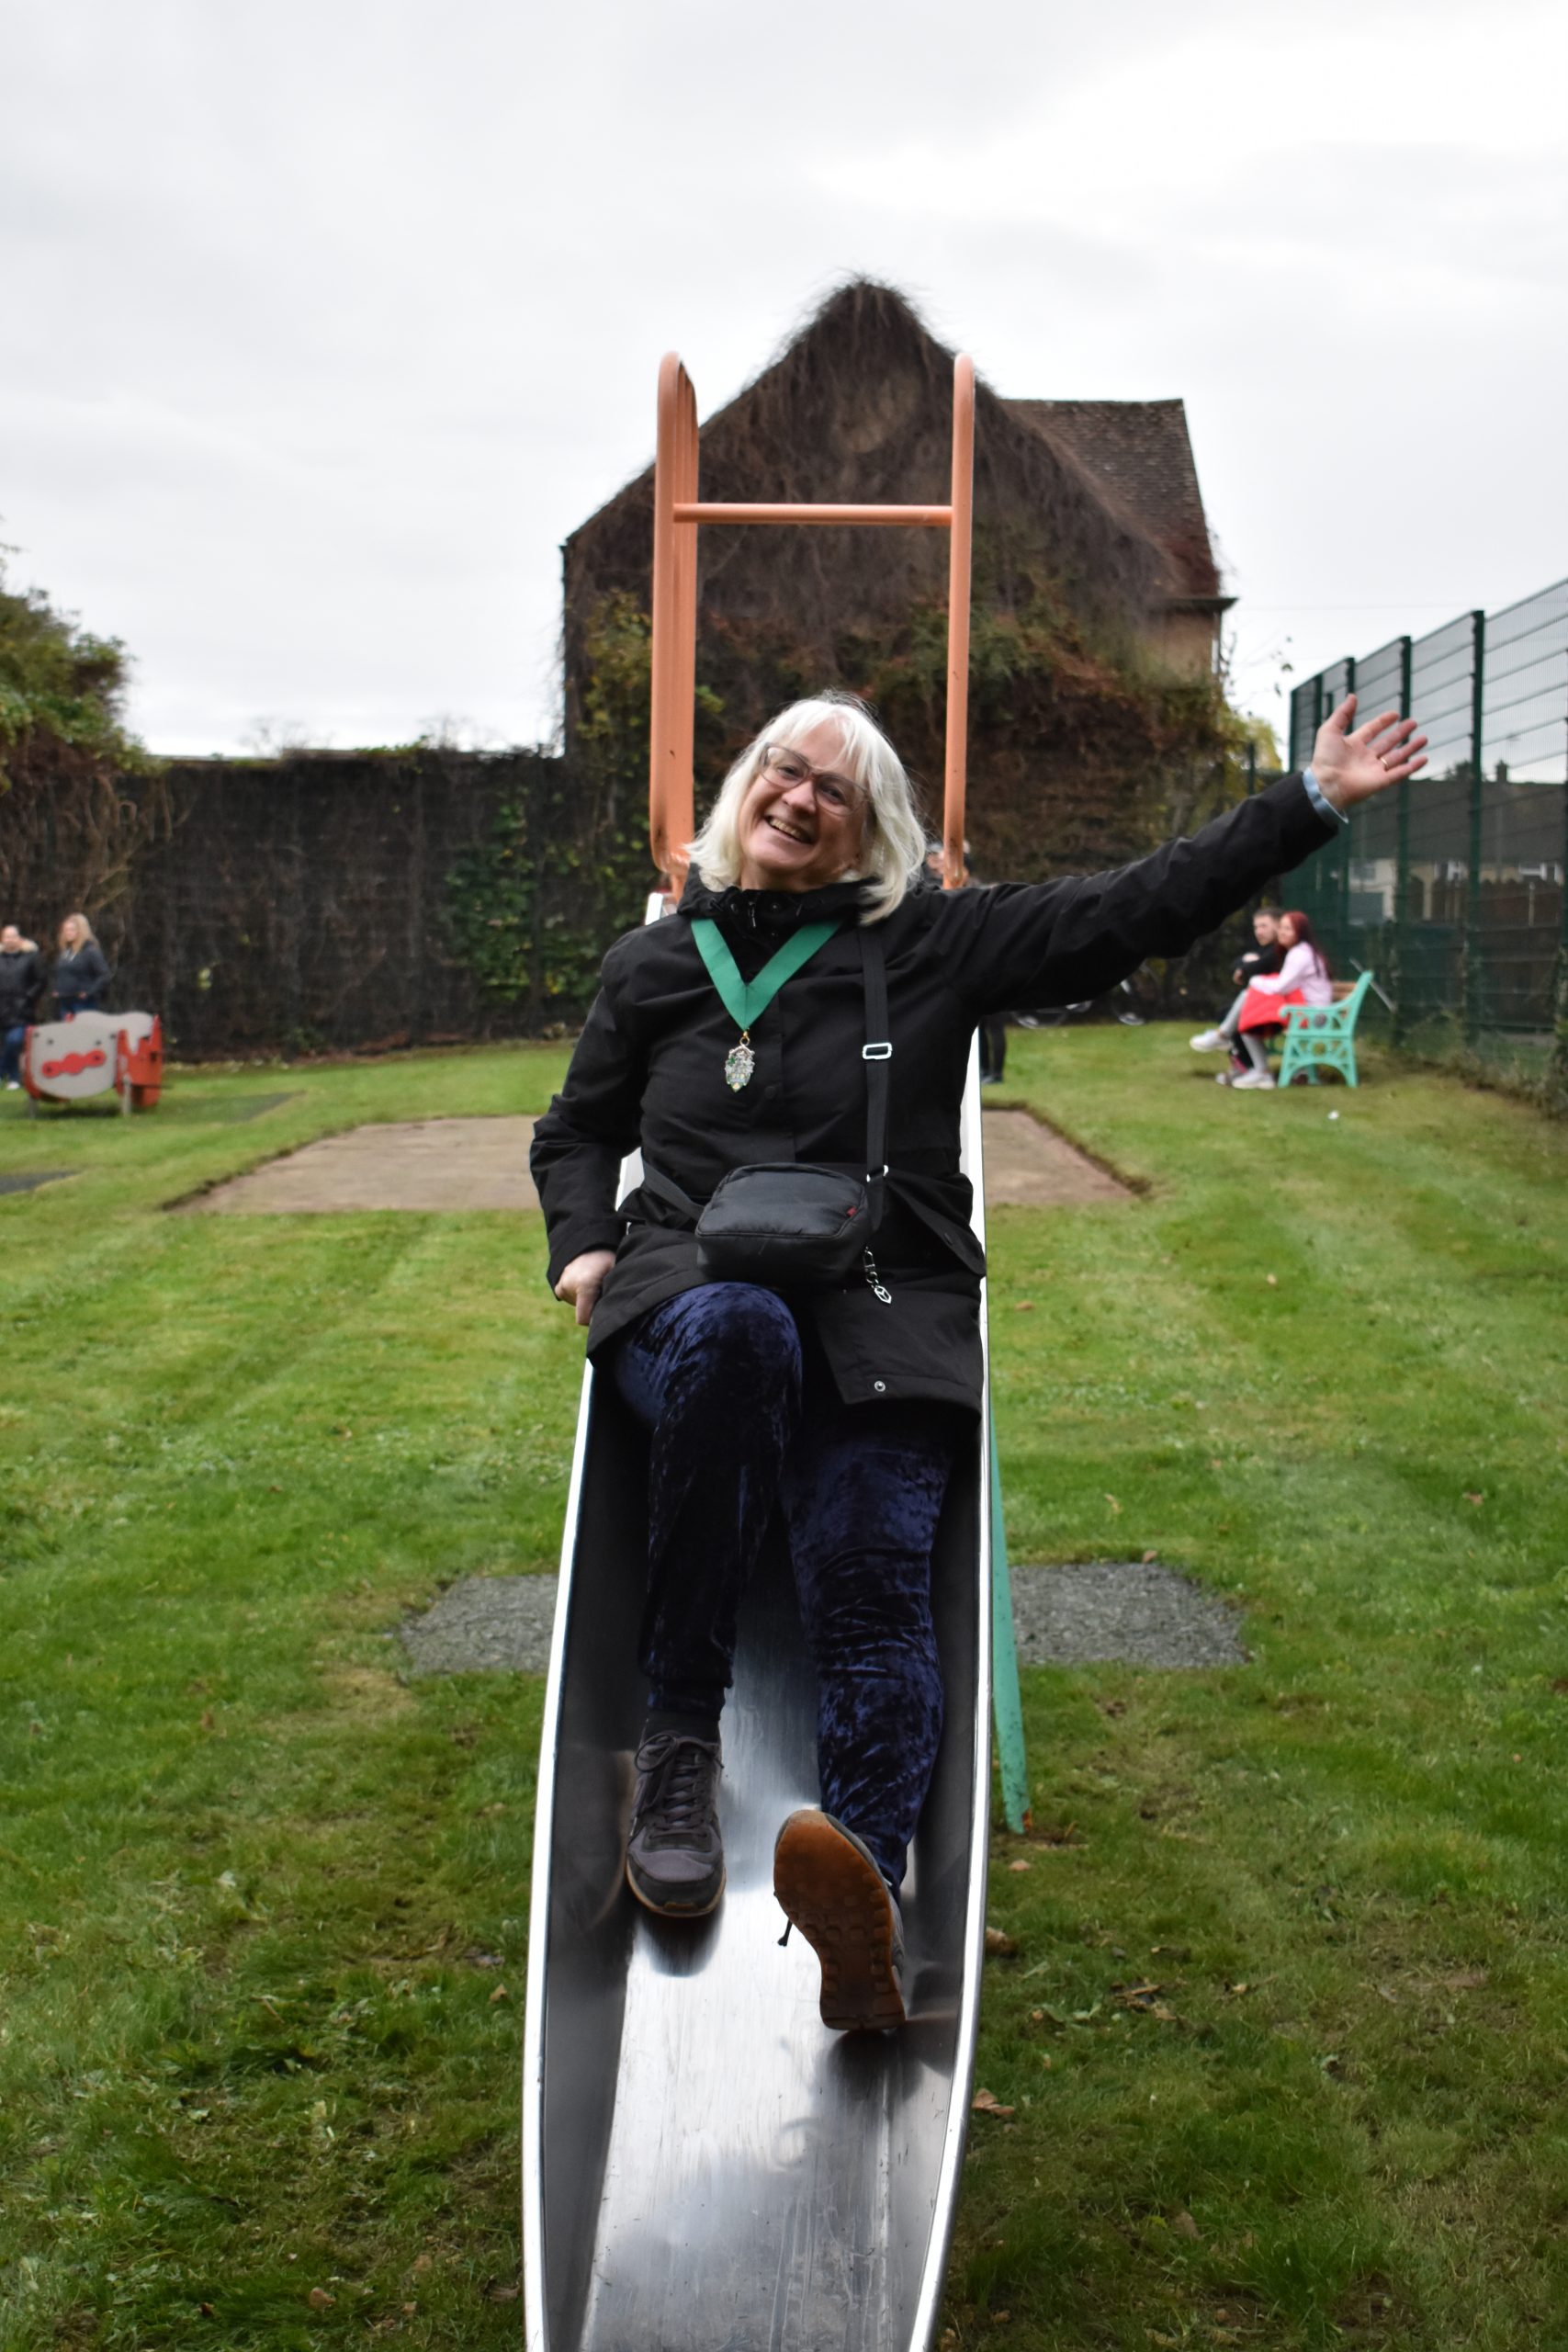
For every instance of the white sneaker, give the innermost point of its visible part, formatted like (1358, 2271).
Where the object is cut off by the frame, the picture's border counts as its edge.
(1209, 1041)
(1254, 1078)
(13, 1086)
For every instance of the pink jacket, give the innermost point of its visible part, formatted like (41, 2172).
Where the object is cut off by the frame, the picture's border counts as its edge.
(1302, 969)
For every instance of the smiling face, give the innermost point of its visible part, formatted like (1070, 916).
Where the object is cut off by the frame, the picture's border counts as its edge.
(797, 835)
(1286, 933)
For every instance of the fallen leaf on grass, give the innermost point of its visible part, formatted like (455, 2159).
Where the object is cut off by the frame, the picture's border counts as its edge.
(1149, 1558)
(1186, 2226)
(1144, 2000)
(1115, 1507)
(996, 1942)
(500, 1994)
(1272, 1281)
(496, 2293)
(988, 2103)
(1022, 1306)
(1020, 1866)
(1466, 1980)
(319, 2299)
(1474, 1499)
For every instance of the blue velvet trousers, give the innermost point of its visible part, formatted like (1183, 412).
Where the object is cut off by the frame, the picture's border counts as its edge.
(744, 1422)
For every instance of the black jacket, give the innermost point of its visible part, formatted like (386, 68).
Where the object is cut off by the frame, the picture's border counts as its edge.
(1256, 960)
(21, 984)
(649, 1071)
(83, 974)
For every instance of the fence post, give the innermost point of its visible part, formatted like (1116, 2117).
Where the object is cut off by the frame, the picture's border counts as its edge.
(1251, 768)
(1557, 1069)
(418, 909)
(1472, 987)
(1400, 1023)
(1346, 835)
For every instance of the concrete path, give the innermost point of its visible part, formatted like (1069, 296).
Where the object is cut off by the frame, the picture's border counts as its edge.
(483, 1164)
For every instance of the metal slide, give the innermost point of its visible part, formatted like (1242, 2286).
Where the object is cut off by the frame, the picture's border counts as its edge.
(705, 2168)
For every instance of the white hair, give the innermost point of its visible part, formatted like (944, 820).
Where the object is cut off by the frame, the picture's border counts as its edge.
(893, 844)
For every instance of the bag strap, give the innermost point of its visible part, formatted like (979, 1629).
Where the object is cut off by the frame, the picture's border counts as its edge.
(877, 1053)
(666, 1189)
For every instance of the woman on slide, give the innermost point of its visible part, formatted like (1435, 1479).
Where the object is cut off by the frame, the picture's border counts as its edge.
(731, 1036)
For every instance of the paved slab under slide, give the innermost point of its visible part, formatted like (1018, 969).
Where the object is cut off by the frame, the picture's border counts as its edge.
(1134, 1610)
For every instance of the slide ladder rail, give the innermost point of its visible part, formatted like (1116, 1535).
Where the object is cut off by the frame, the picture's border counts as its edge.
(678, 514)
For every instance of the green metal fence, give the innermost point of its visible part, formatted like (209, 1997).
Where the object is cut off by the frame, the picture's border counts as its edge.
(1450, 889)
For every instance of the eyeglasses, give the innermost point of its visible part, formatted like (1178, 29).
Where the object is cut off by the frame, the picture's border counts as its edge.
(831, 791)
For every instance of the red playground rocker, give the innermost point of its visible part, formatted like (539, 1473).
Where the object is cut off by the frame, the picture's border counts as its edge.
(96, 1053)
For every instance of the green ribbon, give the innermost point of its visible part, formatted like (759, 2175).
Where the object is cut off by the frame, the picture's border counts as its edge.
(747, 1000)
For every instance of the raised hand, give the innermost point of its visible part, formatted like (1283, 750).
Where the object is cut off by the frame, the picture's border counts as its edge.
(1352, 762)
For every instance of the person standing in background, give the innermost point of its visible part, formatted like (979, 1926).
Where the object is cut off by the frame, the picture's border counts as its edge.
(21, 984)
(81, 974)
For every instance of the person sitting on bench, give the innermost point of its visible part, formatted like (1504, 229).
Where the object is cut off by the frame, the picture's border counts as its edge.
(1266, 954)
(1303, 978)
(739, 1034)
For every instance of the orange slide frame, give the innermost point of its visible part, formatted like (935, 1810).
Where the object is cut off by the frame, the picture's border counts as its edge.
(677, 516)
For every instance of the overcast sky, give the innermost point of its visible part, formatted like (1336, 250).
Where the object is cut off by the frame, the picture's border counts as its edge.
(324, 321)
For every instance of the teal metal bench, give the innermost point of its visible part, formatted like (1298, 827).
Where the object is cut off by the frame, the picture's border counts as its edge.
(1322, 1037)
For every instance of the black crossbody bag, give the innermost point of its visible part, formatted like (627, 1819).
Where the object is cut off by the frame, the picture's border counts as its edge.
(792, 1222)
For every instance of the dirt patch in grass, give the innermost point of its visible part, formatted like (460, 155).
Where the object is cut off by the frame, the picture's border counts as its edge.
(426, 1164)
(366, 1691)
(1030, 1166)
(422, 1164)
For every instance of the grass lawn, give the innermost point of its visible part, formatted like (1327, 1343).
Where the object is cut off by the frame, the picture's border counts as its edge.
(1283, 2030)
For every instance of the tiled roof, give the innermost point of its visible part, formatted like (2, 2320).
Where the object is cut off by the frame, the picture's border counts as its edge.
(1139, 457)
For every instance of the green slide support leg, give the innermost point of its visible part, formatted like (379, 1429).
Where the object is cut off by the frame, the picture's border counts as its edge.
(1007, 1706)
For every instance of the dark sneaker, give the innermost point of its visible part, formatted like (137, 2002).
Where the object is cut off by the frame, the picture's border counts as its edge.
(674, 1854)
(832, 1891)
